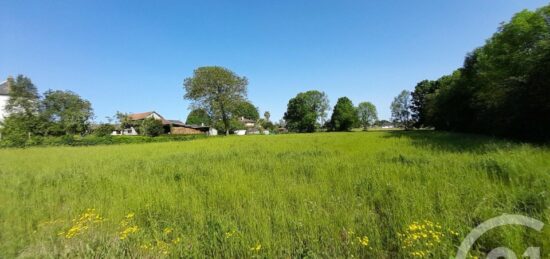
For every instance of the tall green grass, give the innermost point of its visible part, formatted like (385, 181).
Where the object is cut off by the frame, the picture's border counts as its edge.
(307, 195)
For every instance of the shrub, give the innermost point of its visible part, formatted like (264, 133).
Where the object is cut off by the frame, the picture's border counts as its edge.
(103, 130)
(152, 127)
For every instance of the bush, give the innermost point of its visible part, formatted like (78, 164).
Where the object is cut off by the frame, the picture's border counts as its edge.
(103, 130)
(152, 127)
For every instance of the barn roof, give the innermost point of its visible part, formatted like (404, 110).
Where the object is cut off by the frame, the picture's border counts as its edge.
(144, 115)
(176, 122)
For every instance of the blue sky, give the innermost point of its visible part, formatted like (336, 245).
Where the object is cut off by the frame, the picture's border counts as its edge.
(132, 56)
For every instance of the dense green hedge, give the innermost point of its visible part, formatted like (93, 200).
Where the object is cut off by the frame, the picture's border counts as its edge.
(91, 140)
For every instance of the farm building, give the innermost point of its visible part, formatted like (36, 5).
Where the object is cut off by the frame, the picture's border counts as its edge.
(247, 123)
(170, 126)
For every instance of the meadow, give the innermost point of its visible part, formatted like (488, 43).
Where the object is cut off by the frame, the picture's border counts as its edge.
(388, 194)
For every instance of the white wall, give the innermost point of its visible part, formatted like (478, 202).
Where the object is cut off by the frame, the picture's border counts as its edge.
(3, 102)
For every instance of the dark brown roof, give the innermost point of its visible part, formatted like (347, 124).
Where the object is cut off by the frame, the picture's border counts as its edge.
(176, 122)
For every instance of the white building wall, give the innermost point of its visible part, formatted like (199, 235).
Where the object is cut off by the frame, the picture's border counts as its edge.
(3, 102)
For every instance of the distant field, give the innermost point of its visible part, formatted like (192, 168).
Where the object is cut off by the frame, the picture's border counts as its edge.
(362, 194)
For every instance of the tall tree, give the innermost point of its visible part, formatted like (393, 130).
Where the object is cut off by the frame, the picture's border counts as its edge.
(300, 116)
(419, 96)
(400, 108)
(267, 115)
(66, 112)
(319, 102)
(217, 90)
(306, 111)
(23, 111)
(198, 117)
(367, 114)
(23, 96)
(247, 110)
(344, 115)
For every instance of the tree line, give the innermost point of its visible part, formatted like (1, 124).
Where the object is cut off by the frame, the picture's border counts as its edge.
(219, 99)
(55, 113)
(502, 89)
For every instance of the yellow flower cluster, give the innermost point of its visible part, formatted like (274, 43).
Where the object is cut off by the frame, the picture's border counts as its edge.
(349, 237)
(128, 226)
(364, 241)
(82, 223)
(256, 248)
(419, 238)
(159, 246)
(231, 233)
(163, 245)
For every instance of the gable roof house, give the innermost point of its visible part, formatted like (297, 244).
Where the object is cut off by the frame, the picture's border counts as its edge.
(4, 96)
(170, 126)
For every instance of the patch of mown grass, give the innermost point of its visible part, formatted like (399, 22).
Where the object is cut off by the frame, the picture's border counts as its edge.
(359, 194)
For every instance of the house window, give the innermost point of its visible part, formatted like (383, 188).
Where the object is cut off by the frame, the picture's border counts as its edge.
(129, 131)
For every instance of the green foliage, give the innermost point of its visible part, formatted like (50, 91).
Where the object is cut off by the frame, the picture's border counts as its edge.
(420, 96)
(23, 96)
(400, 109)
(65, 112)
(267, 124)
(367, 114)
(299, 116)
(151, 127)
(503, 87)
(58, 113)
(124, 121)
(344, 115)
(267, 115)
(218, 90)
(198, 117)
(103, 130)
(328, 191)
(306, 111)
(247, 110)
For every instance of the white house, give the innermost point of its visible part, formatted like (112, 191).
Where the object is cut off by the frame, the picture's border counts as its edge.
(247, 122)
(4, 91)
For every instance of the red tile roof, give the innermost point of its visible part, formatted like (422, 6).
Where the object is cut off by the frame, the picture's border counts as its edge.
(144, 115)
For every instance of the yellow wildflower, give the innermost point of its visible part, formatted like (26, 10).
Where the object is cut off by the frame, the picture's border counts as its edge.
(364, 241)
(256, 248)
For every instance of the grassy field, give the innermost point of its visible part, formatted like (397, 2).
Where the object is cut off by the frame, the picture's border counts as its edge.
(360, 194)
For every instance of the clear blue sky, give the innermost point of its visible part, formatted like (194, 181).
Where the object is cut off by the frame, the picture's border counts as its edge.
(132, 56)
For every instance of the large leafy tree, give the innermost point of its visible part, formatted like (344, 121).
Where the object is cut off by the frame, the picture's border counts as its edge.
(23, 109)
(367, 114)
(198, 117)
(217, 90)
(247, 110)
(344, 115)
(400, 108)
(419, 99)
(306, 111)
(65, 113)
(319, 102)
(300, 116)
(23, 97)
